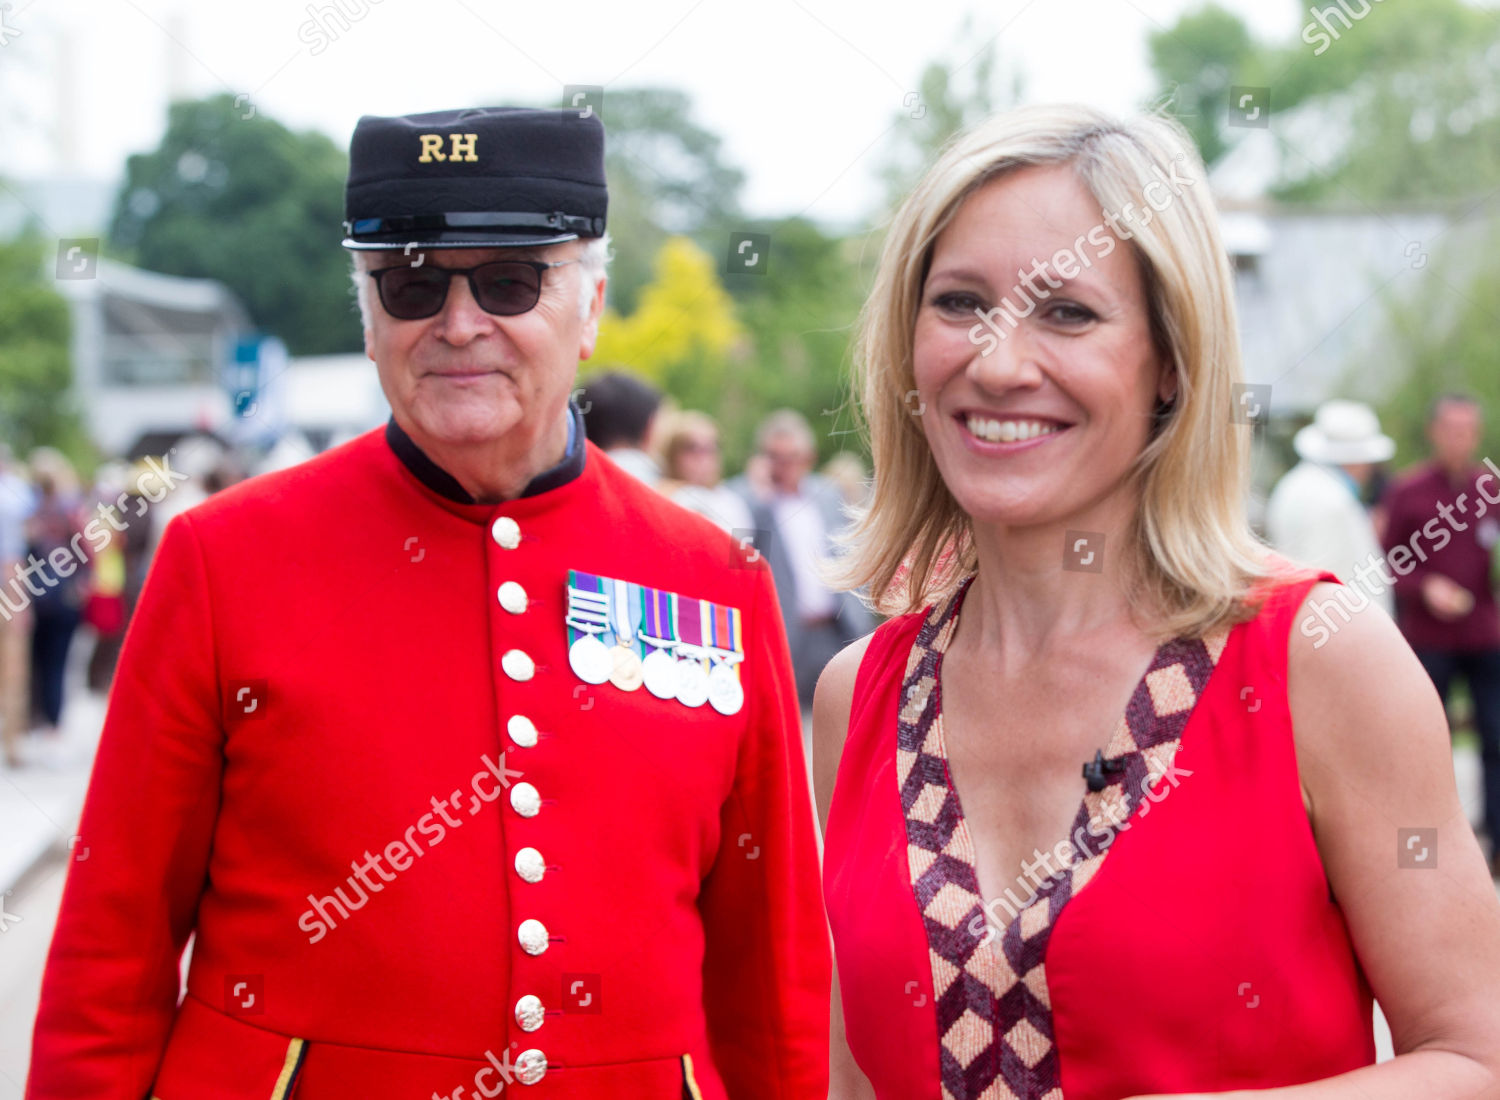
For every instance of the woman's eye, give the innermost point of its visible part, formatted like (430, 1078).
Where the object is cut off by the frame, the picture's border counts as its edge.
(1071, 313)
(957, 301)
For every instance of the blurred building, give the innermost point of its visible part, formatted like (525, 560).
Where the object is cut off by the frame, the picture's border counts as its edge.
(149, 352)
(157, 357)
(1314, 288)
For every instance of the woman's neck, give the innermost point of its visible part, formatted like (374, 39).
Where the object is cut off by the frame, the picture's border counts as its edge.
(1039, 587)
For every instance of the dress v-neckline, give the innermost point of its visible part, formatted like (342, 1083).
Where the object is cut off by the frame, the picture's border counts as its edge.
(1120, 744)
(993, 1007)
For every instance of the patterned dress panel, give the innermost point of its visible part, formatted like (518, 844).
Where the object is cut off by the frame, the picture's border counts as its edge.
(994, 1012)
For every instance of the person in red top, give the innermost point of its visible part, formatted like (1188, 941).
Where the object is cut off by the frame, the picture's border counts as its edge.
(1105, 815)
(1445, 598)
(470, 763)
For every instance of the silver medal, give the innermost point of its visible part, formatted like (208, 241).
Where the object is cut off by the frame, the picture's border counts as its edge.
(661, 673)
(692, 684)
(724, 690)
(590, 660)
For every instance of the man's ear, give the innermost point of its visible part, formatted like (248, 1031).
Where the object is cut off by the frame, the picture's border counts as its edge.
(590, 334)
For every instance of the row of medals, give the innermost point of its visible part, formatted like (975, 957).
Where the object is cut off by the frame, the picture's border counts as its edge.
(662, 674)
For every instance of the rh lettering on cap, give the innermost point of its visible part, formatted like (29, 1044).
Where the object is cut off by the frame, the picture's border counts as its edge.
(460, 147)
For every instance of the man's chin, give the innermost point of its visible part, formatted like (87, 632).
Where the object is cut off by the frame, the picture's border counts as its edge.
(466, 423)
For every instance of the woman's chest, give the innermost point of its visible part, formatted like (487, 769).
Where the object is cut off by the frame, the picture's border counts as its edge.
(1018, 751)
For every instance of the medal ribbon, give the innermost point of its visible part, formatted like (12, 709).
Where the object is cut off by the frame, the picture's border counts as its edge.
(625, 615)
(690, 616)
(588, 607)
(660, 624)
(730, 639)
(725, 625)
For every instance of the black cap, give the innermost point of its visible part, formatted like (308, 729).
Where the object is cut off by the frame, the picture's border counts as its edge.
(485, 177)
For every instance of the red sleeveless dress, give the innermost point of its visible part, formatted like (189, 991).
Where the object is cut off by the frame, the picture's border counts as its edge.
(1184, 937)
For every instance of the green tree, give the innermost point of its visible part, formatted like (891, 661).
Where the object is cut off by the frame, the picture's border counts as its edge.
(248, 202)
(800, 316)
(1198, 60)
(1445, 338)
(35, 370)
(1402, 104)
(667, 177)
(683, 329)
(1407, 101)
(953, 93)
(782, 341)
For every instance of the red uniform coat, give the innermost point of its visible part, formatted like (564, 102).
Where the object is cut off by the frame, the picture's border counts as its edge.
(310, 761)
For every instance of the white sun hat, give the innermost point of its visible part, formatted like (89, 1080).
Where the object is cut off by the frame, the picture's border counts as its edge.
(1344, 433)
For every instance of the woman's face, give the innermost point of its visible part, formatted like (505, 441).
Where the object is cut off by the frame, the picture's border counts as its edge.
(698, 458)
(1036, 421)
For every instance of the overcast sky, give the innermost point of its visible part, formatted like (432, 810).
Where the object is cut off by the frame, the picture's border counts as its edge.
(802, 91)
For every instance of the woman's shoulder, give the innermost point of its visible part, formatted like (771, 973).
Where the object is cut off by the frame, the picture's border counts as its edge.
(879, 652)
(859, 667)
(1349, 643)
(1273, 599)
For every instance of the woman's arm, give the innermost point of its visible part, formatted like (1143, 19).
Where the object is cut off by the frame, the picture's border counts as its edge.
(832, 702)
(1374, 756)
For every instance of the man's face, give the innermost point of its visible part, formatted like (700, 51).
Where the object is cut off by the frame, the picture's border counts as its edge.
(467, 377)
(789, 460)
(1454, 432)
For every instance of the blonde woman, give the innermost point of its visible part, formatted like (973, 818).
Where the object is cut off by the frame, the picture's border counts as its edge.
(693, 471)
(1114, 805)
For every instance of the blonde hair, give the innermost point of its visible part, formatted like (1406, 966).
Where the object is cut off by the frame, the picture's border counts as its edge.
(1199, 560)
(680, 427)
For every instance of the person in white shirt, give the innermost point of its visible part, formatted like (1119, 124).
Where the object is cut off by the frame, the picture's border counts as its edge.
(693, 468)
(1315, 514)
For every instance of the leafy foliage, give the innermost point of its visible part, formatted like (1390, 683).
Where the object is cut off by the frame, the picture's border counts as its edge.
(1198, 60)
(35, 373)
(1397, 105)
(252, 204)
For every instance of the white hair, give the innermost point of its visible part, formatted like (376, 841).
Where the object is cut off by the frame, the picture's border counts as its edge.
(593, 260)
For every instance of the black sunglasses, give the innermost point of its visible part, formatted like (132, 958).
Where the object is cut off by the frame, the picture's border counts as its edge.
(503, 287)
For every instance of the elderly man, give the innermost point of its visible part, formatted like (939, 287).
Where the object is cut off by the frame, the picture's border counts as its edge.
(1316, 515)
(471, 762)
